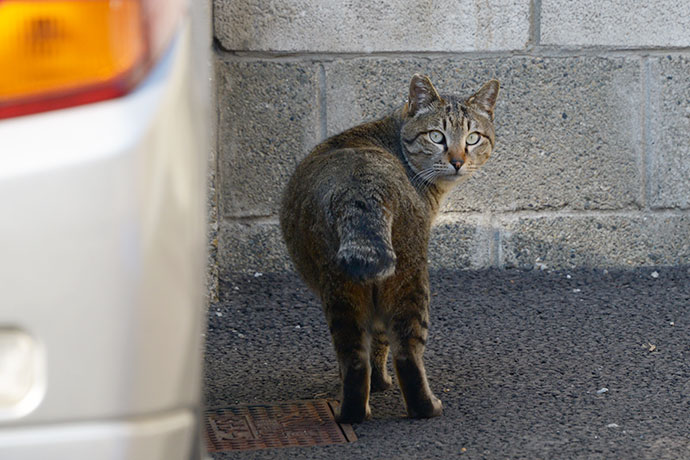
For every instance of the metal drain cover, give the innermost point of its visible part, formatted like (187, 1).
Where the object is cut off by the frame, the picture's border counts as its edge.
(281, 424)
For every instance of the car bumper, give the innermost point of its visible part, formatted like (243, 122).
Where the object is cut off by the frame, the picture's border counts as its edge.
(161, 437)
(103, 247)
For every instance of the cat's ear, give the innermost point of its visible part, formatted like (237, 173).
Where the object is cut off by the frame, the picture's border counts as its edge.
(485, 98)
(422, 95)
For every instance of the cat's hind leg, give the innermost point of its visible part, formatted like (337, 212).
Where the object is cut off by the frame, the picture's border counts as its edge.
(408, 331)
(347, 323)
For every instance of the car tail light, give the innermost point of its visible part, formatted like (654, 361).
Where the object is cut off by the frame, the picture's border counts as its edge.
(61, 53)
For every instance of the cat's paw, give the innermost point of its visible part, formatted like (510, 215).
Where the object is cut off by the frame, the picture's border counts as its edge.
(351, 414)
(426, 409)
(380, 382)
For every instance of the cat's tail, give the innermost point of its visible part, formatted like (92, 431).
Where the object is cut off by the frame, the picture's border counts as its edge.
(366, 253)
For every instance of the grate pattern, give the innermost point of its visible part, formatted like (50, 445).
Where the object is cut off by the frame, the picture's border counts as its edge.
(282, 424)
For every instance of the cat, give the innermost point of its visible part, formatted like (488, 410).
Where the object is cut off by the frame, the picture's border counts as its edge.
(356, 216)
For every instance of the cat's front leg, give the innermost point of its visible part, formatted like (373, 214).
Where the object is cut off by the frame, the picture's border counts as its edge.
(408, 330)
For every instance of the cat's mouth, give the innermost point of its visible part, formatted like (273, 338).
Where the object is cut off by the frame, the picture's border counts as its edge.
(455, 175)
(451, 177)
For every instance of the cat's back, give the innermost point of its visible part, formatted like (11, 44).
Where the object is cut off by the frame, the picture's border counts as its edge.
(361, 156)
(373, 144)
(355, 171)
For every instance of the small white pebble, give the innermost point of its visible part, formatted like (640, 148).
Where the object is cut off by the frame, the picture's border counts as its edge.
(577, 290)
(236, 288)
(219, 314)
(258, 274)
(655, 274)
(602, 391)
(612, 425)
(568, 276)
(672, 323)
(298, 327)
(240, 335)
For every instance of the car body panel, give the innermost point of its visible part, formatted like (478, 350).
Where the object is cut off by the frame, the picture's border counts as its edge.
(102, 250)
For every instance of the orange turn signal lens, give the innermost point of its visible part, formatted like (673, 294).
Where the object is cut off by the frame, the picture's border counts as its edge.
(57, 53)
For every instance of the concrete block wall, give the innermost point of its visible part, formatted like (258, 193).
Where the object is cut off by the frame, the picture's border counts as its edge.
(592, 165)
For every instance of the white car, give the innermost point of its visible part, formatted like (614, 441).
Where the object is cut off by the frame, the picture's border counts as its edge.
(104, 136)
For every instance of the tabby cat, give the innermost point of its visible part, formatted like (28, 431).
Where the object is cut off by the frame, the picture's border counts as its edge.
(356, 217)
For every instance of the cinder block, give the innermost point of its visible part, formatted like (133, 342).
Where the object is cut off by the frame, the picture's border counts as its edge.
(255, 247)
(567, 129)
(563, 242)
(461, 243)
(617, 23)
(268, 119)
(669, 132)
(365, 26)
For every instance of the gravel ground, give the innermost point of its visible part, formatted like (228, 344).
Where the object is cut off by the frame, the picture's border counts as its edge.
(533, 365)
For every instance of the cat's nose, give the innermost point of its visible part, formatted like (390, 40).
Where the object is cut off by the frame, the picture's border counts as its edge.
(457, 164)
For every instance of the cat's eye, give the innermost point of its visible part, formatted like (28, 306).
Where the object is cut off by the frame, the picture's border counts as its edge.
(436, 137)
(472, 138)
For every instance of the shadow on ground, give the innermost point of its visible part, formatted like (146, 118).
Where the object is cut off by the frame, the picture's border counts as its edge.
(528, 364)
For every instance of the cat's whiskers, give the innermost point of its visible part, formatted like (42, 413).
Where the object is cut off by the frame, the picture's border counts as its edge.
(471, 168)
(419, 178)
(424, 178)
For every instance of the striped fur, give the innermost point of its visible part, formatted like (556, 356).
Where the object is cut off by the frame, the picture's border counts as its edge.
(356, 217)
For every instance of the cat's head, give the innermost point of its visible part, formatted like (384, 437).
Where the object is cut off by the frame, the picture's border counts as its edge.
(446, 138)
